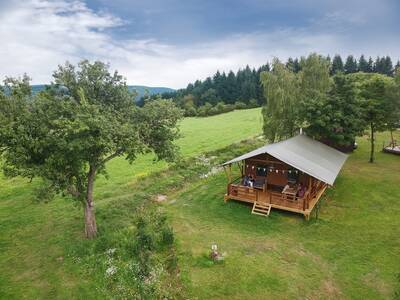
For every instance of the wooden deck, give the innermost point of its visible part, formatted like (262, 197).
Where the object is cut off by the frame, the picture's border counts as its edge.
(277, 200)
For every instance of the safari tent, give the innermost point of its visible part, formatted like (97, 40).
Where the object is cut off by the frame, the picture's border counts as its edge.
(290, 175)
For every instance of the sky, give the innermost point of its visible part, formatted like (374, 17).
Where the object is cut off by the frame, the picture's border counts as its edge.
(171, 43)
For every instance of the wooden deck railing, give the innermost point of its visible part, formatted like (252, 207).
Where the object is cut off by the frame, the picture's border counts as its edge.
(250, 194)
(242, 192)
(278, 200)
(287, 200)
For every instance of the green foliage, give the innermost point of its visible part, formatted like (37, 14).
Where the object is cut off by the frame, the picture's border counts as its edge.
(209, 96)
(140, 264)
(364, 65)
(376, 103)
(333, 110)
(253, 103)
(67, 136)
(314, 76)
(228, 88)
(338, 118)
(245, 84)
(397, 291)
(350, 65)
(281, 89)
(240, 105)
(383, 65)
(337, 65)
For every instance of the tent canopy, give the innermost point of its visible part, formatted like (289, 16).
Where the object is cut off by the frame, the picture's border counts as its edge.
(305, 154)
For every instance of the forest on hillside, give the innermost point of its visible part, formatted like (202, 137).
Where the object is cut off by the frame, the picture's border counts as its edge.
(225, 92)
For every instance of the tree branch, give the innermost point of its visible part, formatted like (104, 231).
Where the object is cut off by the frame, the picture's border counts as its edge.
(115, 154)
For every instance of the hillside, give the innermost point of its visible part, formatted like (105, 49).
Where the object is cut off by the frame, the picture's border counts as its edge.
(140, 89)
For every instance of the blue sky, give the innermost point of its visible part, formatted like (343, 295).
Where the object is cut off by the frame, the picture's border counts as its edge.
(171, 43)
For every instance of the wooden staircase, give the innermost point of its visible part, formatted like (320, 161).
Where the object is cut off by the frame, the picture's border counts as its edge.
(262, 209)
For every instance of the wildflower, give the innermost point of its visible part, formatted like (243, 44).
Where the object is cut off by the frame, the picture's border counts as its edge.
(111, 271)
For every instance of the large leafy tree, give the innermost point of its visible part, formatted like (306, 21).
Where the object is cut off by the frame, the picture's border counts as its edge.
(337, 119)
(393, 105)
(314, 84)
(68, 133)
(280, 112)
(373, 90)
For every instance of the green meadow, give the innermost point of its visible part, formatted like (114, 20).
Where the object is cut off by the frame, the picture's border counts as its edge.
(351, 252)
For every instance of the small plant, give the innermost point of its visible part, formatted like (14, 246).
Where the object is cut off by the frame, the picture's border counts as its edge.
(215, 255)
(397, 292)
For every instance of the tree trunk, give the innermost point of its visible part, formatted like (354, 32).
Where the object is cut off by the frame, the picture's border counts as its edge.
(371, 158)
(90, 219)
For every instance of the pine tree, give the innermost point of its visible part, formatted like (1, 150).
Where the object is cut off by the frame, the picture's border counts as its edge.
(231, 87)
(337, 65)
(370, 65)
(363, 64)
(379, 65)
(388, 70)
(397, 66)
(350, 65)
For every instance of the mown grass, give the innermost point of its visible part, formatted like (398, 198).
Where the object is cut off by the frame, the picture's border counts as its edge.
(36, 237)
(351, 252)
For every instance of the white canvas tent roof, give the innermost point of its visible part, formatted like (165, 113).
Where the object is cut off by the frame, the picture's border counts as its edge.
(305, 154)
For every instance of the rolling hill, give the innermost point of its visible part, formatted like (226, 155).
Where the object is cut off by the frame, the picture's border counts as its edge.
(140, 89)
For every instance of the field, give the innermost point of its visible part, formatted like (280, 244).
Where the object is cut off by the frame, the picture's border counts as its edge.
(35, 237)
(350, 252)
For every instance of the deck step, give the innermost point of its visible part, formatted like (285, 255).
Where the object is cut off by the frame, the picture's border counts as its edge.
(262, 209)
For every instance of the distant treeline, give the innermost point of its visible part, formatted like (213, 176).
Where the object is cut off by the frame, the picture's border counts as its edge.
(225, 92)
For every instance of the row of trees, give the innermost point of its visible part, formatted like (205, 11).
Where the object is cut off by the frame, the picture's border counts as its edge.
(332, 109)
(67, 133)
(381, 65)
(243, 87)
(232, 89)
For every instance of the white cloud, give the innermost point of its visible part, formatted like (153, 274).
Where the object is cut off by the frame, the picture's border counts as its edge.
(38, 35)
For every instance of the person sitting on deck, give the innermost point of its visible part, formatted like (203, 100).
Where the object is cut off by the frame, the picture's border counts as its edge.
(250, 182)
(246, 180)
(302, 190)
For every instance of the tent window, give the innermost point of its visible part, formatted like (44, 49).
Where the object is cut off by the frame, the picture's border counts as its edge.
(293, 175)
(262, 170)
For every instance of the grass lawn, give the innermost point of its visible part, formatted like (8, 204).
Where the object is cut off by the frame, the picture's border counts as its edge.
(35, 237)
(351, 252)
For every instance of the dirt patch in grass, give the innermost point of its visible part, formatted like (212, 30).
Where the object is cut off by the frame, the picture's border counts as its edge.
(373, 280)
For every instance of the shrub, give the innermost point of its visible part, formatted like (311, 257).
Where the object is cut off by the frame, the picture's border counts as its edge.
(253, 103)
(229, 107)
(240, 105)
(204, 110)
(190, 111)
(213, 111)
(219, 108)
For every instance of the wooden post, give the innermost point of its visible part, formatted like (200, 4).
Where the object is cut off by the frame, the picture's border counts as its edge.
(307, 199)
(230, 173)
(240, 168)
